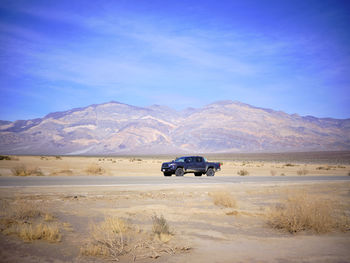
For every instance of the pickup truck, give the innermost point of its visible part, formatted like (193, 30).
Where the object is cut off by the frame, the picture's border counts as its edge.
(190, 164)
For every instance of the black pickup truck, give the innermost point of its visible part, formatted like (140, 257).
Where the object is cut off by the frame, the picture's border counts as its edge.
(190, 164)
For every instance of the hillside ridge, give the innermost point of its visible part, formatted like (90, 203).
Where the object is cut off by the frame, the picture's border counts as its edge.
(223, 126)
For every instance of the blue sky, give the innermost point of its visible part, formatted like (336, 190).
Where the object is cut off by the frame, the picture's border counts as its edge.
(292, 56)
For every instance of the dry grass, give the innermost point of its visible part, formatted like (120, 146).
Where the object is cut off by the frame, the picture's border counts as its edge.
(47, 232)
(95, 169)
(161, 229)
(242, 172)
(49, 217)
(232, 213)
(135, 160)
(224, 199)
(25, 220)
(289, 164)
(323, 168)
(67, 226)
(62, 172)
(25, 210)
(22, 170)
(114, 238)
(302, 171)
(95, 250)
(111, 238)
(302, 212)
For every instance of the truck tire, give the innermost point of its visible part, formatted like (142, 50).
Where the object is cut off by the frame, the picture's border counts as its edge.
(179, 172)
(210, 172)
(198, 174)
(167, 174)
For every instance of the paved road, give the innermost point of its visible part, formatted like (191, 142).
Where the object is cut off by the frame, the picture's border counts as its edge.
(156, 180)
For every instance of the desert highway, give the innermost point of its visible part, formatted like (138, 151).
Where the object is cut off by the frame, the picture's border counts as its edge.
(57, 181)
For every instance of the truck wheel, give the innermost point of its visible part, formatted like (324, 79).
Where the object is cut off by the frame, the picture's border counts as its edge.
(167, 174)
(179, 172)
(198, 174)
(210, 172)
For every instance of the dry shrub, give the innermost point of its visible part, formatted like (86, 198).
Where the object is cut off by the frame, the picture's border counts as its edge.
(67, 172)
(25, 220)
(323, 168)
(301, 212)
(111, 238)
(232, 213)
(22, 170)
(135, 160)
(67, 226)
(5, 157)
(48, 232)
(224, 199)
(49, 217)
(161, 229)
(95, 169)
(164, 238)
(242, 172)
(25, 210)
(289, 164)
(95, 250)
(302, 171)
(273, 172)
(114, 238)
(8, 226)
(62, 172)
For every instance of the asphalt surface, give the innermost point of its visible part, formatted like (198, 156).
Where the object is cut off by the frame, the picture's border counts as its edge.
(57, 181)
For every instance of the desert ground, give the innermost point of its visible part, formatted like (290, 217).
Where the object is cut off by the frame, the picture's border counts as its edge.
(245, 222)
(333, 163)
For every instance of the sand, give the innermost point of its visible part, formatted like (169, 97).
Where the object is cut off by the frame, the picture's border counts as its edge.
(203, 231)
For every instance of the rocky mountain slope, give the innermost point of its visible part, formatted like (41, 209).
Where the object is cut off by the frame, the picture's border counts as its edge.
(224, 126)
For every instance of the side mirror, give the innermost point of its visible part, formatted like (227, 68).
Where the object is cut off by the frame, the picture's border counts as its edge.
(173, 161)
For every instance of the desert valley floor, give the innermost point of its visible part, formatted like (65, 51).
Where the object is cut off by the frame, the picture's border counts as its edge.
(243, 222)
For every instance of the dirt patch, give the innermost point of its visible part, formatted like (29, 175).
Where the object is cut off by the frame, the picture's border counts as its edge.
(171, 224)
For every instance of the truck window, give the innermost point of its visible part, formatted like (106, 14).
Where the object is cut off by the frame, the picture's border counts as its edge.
(199, 159)
(188, 160)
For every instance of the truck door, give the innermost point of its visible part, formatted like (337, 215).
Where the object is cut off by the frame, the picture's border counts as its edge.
(200, 164)
(189, 164)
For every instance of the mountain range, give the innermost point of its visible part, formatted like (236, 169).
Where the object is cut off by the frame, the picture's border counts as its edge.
(224, 126)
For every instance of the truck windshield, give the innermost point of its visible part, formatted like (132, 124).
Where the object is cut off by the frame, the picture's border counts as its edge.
(181, 159)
